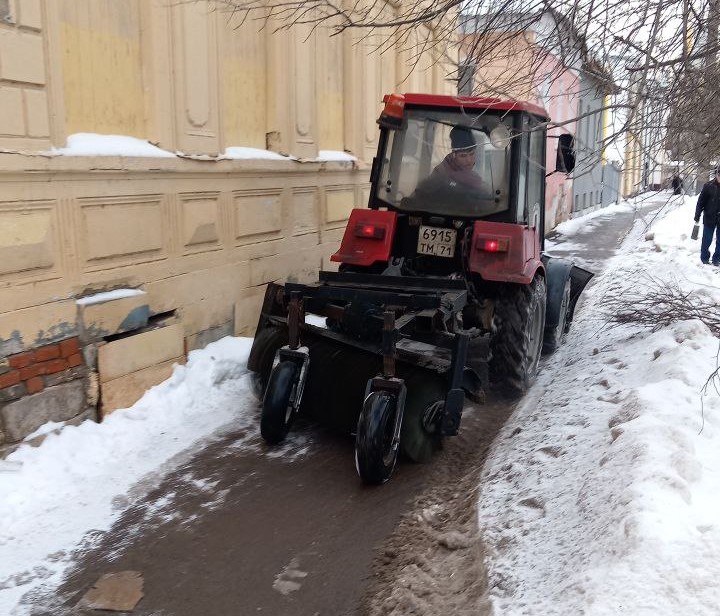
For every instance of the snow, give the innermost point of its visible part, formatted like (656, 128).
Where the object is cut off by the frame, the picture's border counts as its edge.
(601, 494)
(252, 153)
(107, 296)
(92, 144)
(332, 155)
(572, 226)
(72, 483)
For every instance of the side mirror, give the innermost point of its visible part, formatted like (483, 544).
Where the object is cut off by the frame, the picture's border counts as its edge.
(500, 136)
(565, 154)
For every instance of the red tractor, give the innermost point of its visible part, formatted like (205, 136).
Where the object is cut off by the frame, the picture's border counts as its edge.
(442, 289)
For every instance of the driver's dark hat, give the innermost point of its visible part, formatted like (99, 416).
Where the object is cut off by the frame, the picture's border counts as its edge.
(461, 138)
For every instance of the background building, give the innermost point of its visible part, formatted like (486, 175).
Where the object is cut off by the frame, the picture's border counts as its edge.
(187, 238)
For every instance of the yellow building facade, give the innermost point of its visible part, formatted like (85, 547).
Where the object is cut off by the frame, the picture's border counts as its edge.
(190, 238)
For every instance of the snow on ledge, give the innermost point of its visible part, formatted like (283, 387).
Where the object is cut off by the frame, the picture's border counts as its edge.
(332, 155)
(243, 153)
(106, 296)
(92, 144)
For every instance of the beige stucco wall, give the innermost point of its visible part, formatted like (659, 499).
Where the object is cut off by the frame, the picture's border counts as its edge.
(200, 237)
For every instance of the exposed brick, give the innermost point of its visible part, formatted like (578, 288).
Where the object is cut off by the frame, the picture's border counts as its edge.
(69, 347)
(9, 378)
(21, 359)
(75, 360)
(30, 371)
(13, 393)
(54, 365)
(35, 385)
(48, 352)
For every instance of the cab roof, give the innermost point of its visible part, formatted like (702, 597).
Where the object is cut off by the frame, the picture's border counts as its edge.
(474, 102)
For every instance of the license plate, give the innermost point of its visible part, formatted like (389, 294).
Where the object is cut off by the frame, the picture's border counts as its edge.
(436, 241)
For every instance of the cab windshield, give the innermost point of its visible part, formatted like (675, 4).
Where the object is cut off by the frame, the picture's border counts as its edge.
(449, 163)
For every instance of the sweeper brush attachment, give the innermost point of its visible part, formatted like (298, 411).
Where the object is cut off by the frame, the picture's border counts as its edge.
(389, 366)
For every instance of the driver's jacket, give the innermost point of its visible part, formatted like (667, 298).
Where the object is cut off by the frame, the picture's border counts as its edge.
(709, 203)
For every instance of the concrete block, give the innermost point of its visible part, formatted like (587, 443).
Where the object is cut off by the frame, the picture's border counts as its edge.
(22, 54)
(126, 390)
(12, 121)
(247, 312)
(115, 316)
(36, 326)
(30, 13)
(203, 338)
(26, 415)
(339, 202)
(131, 354)
(36, 107)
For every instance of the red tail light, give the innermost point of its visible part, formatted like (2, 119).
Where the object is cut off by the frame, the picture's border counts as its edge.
(370, 232)
(495, 245)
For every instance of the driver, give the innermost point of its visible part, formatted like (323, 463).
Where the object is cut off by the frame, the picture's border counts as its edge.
(456, 169)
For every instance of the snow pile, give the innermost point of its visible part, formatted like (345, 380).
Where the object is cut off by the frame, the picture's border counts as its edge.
(82, 478)
(591, 219)
(601, 494)
(92, 144)
(243, 153)
(333, 155)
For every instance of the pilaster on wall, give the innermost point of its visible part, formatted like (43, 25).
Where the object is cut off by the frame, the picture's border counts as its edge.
(195, 59)
(291, 118)
(159, 103)
(24, 122)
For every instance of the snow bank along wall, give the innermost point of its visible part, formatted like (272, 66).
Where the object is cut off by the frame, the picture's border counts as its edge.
(186, 245)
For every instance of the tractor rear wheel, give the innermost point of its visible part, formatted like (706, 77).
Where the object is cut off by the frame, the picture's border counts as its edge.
(518, 325)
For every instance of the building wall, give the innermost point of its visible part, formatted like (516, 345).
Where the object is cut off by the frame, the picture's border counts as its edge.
(196, 240)
(515, 68)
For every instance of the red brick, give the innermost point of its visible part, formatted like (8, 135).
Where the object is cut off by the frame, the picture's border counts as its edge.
(30, 371)
(75, 360)
(35, 385)
(48, 352)
(54, 365)
(21, 359)
(69, 347)
(9, 379)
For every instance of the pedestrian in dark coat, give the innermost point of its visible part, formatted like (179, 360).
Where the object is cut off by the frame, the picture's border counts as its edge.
(677, 184)
(708, 204)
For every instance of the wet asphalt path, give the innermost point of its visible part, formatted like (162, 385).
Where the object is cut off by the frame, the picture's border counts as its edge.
(236, 531)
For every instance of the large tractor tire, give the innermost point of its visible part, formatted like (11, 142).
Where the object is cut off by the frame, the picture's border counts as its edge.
(518, 325)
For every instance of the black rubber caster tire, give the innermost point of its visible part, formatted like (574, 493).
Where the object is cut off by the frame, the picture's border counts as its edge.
(277, 413)
(374, 456)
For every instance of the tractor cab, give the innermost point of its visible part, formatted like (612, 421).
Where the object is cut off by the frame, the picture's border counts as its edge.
(464, 158)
